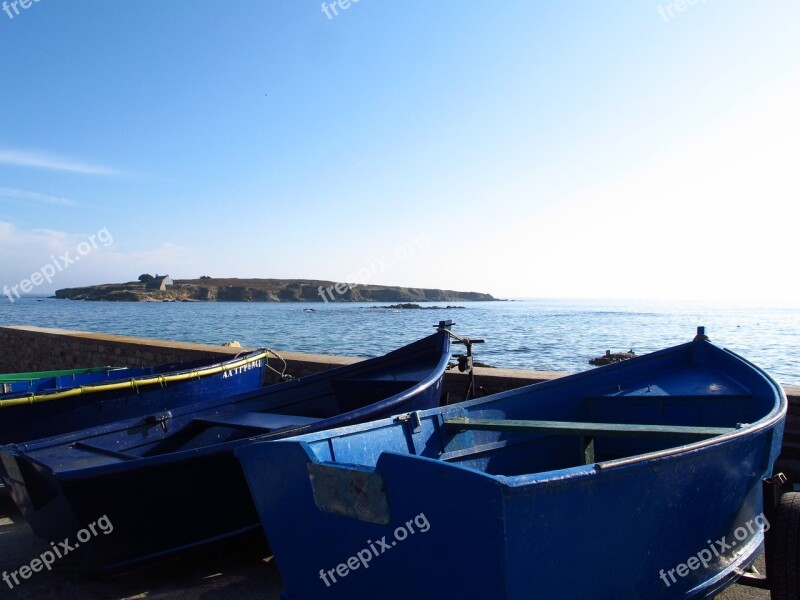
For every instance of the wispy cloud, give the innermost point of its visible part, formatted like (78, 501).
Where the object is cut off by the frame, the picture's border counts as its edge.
(24, 251)
(39, 160)
(35, 197)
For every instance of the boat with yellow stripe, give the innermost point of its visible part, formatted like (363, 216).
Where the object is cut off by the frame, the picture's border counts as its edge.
(65, 402)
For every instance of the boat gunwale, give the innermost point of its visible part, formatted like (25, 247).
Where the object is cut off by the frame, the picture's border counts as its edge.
(214, 367)
(768, 421)
(569, 474)
(145, 462)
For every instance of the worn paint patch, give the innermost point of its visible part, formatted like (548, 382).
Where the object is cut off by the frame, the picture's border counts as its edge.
(353, 493)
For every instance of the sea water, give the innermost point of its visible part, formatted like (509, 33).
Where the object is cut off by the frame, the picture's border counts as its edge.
(555, 335)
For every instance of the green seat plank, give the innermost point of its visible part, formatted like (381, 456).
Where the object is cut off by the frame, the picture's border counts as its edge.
(587, 429)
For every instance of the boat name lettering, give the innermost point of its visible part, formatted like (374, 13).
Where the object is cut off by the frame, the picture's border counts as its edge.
(256, 364)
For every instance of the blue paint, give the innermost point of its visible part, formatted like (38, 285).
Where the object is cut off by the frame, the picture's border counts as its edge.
(171, 482)
(54, 417)
(519, 515)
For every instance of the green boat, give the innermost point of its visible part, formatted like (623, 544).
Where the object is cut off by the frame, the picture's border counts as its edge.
(7, 377)
(32, 382)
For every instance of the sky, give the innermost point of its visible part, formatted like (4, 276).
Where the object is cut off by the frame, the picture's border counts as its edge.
(626, 149)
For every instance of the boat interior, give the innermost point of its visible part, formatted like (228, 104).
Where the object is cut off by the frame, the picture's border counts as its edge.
(545, 429)
(278, 409)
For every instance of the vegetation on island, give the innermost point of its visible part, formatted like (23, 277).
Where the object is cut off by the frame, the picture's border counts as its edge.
(208, 289)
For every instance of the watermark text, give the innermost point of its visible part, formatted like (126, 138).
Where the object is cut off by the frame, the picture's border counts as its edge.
(15, 6)
(715, 550)
(363, 557)
(331, 9)
(670, 10)
(418, 245)
(47, 558)
(58, 264)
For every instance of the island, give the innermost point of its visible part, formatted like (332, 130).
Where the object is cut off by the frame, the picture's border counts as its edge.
(208, 289)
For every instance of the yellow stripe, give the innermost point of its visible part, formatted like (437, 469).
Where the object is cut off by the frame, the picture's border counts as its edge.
(133, 383)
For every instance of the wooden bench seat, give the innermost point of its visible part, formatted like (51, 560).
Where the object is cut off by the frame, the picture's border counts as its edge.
(257, 420)
(587, 432)
(588, 429)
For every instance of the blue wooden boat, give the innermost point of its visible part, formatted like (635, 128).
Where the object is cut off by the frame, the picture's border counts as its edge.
(599, 485)
(170, 481)
(52, 405)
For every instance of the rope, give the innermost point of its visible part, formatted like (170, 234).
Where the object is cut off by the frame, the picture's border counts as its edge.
(455, 336)
(136, 383)
(282, 373)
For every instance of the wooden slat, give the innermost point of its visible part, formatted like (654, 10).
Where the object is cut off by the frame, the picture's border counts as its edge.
(257, 420)
(101, 450)
(588, 429)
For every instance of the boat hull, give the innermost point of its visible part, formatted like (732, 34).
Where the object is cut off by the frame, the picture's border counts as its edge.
(671, 522)
(162, 503)
(42, 419)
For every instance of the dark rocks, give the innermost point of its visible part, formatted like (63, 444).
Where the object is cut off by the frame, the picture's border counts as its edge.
(407, 305)
(610, 357)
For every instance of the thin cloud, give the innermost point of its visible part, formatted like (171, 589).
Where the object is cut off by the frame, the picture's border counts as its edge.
(35, 197)
(37, 160)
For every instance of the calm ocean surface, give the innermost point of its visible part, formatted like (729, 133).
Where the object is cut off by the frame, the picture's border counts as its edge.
(557, 335)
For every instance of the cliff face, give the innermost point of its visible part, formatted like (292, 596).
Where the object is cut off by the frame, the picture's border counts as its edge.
(264, 290)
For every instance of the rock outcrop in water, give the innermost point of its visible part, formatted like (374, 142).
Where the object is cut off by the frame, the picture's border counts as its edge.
(612, 357)
(265, 290)
(411, 306)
